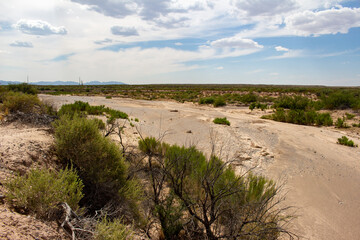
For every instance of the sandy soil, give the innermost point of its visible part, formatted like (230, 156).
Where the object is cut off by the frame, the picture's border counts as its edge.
(322, 178)
(23, 148)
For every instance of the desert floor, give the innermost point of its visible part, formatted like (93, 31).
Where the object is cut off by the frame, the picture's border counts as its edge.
(321, 178)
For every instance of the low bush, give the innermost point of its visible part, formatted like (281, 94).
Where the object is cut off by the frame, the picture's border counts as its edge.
(219, 102)
(207, 100)
(301, 117)
(18, 101)
(40, 191)
(341, 100)
(324, 119)
(258, 105)
(248, 98)
(341, 123)
(99, 161)
(222, 121)
(345, 141)
(80, 107)
(349, 116)
(23, 87)
(294, 103)
(112, 230)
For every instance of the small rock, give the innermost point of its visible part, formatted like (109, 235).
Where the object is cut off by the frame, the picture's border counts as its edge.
(188, 131)
(174, 110)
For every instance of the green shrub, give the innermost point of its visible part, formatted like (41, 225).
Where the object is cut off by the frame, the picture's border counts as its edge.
(40, 191)
(222, 121)
(80, 107)
(219, 102)
(217, 197)
(99, 160)
(112, 230)
(23, 87)
(294, 103)
(252, 106)
(349, 116)
(18, 101)
(324, 119)
(340, 100)
(340, 123)
(108, 97)
(207, 100)
(248, 98)
(347, 142)
(302, 117)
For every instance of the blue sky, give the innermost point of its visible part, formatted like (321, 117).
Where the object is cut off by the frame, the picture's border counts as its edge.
(302, 42)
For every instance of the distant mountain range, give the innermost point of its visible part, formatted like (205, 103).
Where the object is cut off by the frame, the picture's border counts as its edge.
(63, 83)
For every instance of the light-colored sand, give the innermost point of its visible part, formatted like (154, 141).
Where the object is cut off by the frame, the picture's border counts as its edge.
(322, 178)
(23, 148)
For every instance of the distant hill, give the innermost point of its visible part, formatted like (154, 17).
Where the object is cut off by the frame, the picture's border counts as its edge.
(2, 82)
(64, 83)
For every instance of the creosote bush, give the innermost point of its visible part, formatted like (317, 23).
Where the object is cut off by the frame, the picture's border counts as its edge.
(39, 191)
(84, 108)
(18, 101)
(347, 142)
(99, 160)
(222, 121)
(301, 117)
(206, 199)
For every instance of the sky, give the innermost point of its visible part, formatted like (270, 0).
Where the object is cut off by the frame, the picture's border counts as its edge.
(292, 42)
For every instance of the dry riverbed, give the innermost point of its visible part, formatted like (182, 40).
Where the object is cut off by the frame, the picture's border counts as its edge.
(322, 178)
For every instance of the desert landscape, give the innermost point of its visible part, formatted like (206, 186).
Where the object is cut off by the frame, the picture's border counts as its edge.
(321, 178)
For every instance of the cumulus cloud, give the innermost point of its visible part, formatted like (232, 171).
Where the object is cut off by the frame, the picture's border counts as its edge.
(21, 44)
(39, 27)
(265, 7)
(178, 44)
(219, 68)
(329, 21)
(281, 49)
(236, 42)
(154, 11)
(124, 31)
(117, 9)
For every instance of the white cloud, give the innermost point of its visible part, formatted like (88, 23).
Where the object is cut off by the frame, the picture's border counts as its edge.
(281, 49)
(265, 7)
(178, 44)
(235, 42)
(124, 31)
(21, 44)
(289, 54)
(39, 27)
(329, 21)
(274, 74)
(219, 68)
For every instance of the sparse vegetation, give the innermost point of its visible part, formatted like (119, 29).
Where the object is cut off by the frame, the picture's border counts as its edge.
(301, 117)
(206, 198)
(347, 142)
(80, 107)
(222, 121)
(39, 191)
(341, 123)
(112, 230)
